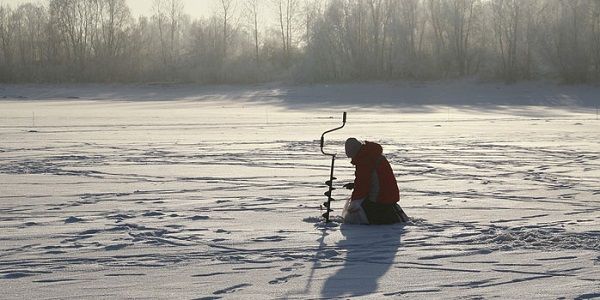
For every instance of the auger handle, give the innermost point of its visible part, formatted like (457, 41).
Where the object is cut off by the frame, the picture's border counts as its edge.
(332, 130)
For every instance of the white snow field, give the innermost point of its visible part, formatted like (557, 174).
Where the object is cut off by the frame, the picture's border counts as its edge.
(182, 192)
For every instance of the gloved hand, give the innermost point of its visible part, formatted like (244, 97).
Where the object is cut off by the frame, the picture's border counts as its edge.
(355, 206)
(349, 186)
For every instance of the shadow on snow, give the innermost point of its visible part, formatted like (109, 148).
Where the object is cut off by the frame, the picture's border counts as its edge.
(370, 253)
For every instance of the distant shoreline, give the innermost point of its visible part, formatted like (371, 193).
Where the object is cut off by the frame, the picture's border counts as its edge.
(397, 93)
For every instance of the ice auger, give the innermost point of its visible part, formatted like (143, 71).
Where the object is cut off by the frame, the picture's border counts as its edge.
(329, 183)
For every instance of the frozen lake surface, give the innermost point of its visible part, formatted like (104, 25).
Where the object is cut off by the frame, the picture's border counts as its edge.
(186, 192)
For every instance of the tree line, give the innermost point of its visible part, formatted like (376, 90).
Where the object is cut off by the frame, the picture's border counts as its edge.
(305, 41)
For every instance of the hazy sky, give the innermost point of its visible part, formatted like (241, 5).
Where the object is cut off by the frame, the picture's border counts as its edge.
(194, 8)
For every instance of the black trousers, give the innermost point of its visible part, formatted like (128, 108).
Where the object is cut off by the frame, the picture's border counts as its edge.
(380, 214)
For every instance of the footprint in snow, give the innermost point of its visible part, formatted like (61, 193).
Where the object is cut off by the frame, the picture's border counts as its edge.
(115, 247)
(152, 214)
(284, 279)
(174, 226)
(16, 275)
(120, 217)
(71, 220)
(124, 274)
(232, 289)
(274, 238)
(23, 273)
(327, 254)
(556, 258)
(54, 280)
(295, 266)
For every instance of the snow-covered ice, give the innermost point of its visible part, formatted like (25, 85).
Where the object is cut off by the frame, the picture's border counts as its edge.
(186, 192)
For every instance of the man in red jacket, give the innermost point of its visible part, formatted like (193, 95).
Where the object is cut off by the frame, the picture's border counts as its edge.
(375, 187)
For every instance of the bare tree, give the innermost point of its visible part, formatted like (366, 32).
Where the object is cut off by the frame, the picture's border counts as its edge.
(167, 15)
(595, 38)
(376, 11)
(440, 36)
(6, 40)
(115, 20)
(227, 11)
(568, 27)
(406, 40)
(507, 23)
(286, 14)
(311, 11)
(461, 24)
(76, 21)
(6, 36)
(252, 9)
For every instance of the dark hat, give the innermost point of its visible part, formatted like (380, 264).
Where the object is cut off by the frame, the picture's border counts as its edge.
(352, 147)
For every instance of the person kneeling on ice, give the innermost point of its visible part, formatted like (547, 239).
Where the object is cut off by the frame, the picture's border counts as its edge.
(376, 195)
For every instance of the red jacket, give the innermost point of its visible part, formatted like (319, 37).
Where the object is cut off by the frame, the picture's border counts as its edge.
(374, 176)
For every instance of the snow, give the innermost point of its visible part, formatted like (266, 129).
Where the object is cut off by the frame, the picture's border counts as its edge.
(132, 191)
